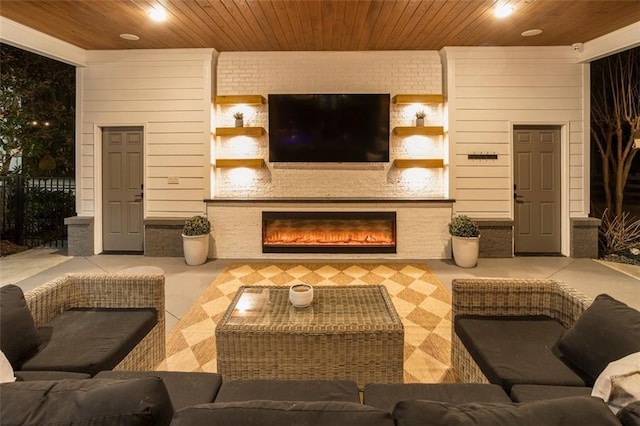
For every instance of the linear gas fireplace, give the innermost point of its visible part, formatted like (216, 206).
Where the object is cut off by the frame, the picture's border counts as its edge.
(328, 232)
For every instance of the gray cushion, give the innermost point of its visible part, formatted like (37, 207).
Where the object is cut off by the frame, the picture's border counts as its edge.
(85, 402)
(288, 390)
(282, 413)
(49, 375)
(185, 388)
(630, 415)
(554, 412)
(606, 331)
(90, 340)
(386, 396)
(529, 393)
(19, 338)
(515, 350)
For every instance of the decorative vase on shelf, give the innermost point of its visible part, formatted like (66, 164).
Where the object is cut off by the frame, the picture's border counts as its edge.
(419, 122)
(239, 119)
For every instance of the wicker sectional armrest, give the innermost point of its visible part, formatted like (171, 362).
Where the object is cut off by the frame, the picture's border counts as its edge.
(504, 296)
(104, 290)
(509, 296)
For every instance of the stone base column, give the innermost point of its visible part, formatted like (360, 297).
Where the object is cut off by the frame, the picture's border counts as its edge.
(496, 237)
(80, 240)
(163, 237)
(584, 237)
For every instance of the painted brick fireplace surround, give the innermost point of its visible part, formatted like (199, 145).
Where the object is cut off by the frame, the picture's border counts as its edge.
(421, 226)
(240, 196)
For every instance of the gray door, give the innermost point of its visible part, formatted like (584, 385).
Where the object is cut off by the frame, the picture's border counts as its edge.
(537, 189)
(122, 207)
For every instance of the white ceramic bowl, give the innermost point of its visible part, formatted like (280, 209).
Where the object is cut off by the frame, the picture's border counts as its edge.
(301, 295)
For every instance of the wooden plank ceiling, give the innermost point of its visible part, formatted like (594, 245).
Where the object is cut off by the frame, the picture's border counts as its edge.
(278, 25)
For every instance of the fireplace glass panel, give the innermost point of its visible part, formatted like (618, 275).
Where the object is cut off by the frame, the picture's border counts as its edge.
(329, 232)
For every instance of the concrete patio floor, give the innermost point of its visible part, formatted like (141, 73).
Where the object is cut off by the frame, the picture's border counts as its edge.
(184, 283)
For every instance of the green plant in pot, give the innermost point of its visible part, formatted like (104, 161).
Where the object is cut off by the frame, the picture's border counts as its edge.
(420, 118)
(195, 239)
(239, 116)
(465, 240)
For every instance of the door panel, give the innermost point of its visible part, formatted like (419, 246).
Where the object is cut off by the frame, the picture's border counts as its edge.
(122, 189)
(537, 190)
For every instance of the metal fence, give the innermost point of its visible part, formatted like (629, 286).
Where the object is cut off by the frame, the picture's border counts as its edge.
(32, 211)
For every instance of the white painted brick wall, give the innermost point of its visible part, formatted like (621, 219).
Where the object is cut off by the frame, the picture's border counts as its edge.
(262, 73)
(422, 231)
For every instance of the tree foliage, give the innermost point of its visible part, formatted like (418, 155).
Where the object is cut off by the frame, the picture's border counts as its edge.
(37, 114)
(615, 118)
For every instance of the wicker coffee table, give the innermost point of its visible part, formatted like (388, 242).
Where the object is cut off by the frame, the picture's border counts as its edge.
(351, 332)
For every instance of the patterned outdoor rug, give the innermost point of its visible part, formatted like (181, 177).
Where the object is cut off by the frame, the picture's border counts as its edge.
(422, 302)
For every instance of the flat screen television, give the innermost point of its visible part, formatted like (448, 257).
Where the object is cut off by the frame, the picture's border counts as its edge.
(329, 128)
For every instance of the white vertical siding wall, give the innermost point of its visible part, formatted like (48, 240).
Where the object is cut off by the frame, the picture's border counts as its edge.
(489, 90)
(168, 92)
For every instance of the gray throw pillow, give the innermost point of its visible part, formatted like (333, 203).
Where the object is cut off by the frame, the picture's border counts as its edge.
(605, 332)
(19, 338)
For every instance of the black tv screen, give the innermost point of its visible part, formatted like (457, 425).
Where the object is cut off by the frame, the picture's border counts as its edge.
(329, 128)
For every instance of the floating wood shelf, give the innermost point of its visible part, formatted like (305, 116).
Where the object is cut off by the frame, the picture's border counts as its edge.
(240, 99)
(427, 163)
(254, 163)
(418, 99)
(240, 131)
(415, 130)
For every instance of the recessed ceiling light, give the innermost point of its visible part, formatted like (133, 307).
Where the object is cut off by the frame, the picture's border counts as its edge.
(132, 37)
(157, 14)
(503, 11)
(531, 33)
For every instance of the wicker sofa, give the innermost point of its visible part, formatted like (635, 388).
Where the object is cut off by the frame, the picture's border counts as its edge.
(509, 297)
(88, 291)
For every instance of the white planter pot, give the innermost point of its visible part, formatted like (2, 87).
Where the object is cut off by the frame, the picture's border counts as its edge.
(465, 251)
(196, 248)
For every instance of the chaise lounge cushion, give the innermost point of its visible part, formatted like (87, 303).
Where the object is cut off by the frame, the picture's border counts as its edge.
(605, 332)
(282, 413)
(288, 390)
(19, 337)
(185, 388)
(85, 402)
(512, 350)
(89, 340)
(386, 396)
(555, 412)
